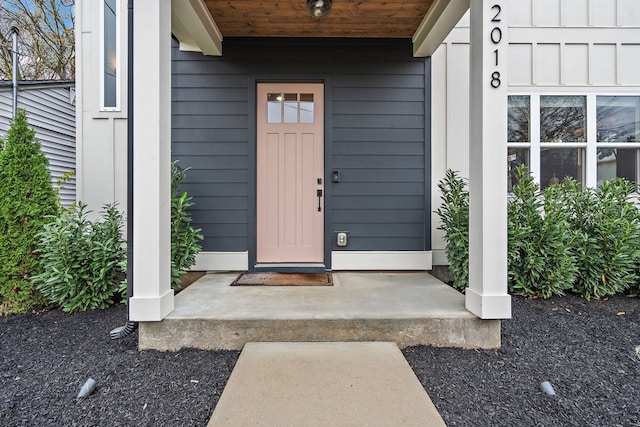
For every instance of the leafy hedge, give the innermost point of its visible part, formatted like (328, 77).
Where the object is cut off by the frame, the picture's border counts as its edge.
(56, 255)
(184, 237)
(454, 214)
(539, 252)
(607, 246)
(84, 261)
(567, 238)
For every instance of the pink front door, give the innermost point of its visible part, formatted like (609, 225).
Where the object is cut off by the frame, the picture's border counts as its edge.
(290, 173)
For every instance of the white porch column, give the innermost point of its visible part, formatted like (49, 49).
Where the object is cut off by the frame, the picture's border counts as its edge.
(152, 294)
(487, 295)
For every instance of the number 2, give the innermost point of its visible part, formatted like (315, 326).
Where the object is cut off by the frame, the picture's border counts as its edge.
(499, 9)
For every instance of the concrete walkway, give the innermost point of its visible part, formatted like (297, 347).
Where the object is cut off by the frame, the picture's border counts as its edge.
(324, 384)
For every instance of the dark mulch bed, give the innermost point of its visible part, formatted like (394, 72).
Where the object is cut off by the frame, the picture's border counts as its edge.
(45, 358)
(586, 349)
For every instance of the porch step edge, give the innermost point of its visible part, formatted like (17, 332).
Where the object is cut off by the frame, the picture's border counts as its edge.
(214, 334)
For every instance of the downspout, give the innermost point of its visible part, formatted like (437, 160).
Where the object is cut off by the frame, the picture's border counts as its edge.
(130, 326)
(14, 72)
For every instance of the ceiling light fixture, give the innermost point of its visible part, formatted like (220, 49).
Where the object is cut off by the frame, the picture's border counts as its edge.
(318, 8)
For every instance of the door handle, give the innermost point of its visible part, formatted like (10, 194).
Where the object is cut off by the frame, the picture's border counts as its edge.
(319, 194)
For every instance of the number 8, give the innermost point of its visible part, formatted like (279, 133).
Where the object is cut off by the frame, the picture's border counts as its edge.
(495, 79)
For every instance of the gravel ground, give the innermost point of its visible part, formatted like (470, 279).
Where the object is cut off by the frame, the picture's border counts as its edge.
(586, 350)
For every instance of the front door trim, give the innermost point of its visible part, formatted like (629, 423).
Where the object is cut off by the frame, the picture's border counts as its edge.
(253, 81)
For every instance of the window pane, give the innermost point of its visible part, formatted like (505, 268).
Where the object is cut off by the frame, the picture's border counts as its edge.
(559, 163)
(110, 58)
(618, 118)
(617, 163)
(274, 108)
(518, 115)
(515, 157)
(291, 108)
(562, 118)
(306, 108)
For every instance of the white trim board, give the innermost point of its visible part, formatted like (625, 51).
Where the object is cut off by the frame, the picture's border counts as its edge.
(381, 260)
(341, 260)
(221, 261)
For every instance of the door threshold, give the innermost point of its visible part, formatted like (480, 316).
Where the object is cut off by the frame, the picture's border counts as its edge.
(291, 267)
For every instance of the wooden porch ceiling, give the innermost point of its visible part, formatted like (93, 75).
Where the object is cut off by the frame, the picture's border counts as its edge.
(348, 18)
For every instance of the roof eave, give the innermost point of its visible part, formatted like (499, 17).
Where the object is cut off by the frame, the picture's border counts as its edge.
(437, 24)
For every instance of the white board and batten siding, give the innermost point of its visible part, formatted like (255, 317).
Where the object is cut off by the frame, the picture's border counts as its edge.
(50, 108)
(572, 47)
(101, 133)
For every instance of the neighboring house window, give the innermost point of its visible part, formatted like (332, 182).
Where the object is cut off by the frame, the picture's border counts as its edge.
(590, 138)
(110, 79)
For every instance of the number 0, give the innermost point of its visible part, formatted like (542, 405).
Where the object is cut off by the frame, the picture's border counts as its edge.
(496, 35)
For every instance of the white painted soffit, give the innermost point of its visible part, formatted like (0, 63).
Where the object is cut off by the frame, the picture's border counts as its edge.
(194, 27)
(442, 16)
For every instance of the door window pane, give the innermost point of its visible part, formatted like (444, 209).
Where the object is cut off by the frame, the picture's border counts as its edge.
(559, 163)
(291, 108)
(274, 108)
(515, 157)
(618, 118)
(518, 119)
(562, 118)
(306, 108)
(617, 163)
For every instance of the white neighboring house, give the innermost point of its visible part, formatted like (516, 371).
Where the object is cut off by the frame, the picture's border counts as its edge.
(51, 110)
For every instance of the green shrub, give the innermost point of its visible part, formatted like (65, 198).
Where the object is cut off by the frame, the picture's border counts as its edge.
(83, 261)
(454, 216)
(539, 240)
(26, 199)
(608, 244)
(567, 238)
(184, 237)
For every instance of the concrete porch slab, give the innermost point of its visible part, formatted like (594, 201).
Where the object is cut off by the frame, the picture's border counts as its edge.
(407, 308)
(324, 384)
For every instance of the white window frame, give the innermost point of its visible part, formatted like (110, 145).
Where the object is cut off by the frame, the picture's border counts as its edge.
(102, 107)
(590, 146)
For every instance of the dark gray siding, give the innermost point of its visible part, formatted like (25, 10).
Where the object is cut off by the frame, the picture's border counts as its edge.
(375, 136)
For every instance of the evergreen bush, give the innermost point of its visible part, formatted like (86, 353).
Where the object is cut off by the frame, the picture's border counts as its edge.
(539, 240)
(184, 237)
(26, 199)
(454, 217)
(84, 262)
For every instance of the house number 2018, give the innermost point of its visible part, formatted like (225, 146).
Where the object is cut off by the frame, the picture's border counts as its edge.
(496, 38)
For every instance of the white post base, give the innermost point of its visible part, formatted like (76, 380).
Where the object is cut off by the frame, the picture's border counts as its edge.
(488, 306)
(151, 309)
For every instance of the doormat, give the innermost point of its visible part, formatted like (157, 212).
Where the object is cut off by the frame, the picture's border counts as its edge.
(283, 279)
